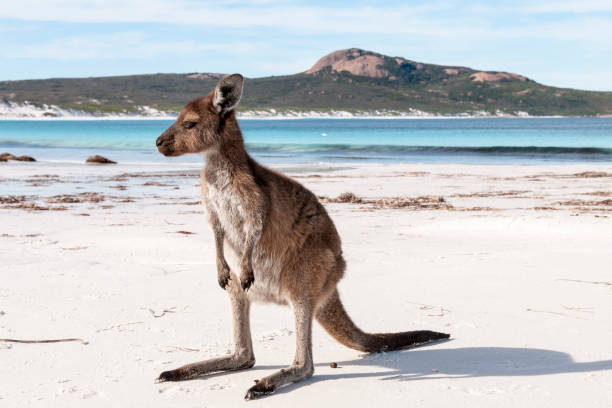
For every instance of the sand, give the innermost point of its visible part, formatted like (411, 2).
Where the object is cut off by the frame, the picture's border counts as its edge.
(516, 266)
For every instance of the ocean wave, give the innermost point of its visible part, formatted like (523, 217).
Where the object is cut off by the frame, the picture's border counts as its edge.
(13, 143)
(357, 151)
(402, 149)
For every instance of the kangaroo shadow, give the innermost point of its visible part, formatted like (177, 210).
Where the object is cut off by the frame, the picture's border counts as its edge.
(436, 364)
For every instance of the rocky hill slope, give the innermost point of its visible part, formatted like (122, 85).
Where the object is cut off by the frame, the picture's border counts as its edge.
(346, 80)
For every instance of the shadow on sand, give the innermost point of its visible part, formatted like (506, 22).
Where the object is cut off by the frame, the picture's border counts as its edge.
(435, 364)
(419, 363)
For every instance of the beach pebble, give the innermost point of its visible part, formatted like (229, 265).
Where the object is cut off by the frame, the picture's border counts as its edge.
(9, 156)
(333, 365)
(26, 158)
(99, 159)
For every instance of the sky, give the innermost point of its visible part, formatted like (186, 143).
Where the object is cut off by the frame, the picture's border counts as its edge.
(559, 43)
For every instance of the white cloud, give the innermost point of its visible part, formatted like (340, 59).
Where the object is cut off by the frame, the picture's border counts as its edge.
(578, 7)
(281, 37)
(128, 45)
(422, 21)
(271, 14)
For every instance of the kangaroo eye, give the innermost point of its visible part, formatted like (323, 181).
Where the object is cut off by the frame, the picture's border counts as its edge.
(189, 125)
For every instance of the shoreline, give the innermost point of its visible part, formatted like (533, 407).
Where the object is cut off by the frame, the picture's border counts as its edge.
(302, 165)
(27, 111)
(23, 172)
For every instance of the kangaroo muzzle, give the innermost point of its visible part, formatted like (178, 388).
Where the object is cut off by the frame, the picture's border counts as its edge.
(165, 143)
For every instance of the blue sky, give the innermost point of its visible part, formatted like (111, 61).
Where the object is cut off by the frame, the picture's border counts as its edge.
(561, 43)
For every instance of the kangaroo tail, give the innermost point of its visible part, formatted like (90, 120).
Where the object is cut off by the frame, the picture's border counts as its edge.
(332, 316)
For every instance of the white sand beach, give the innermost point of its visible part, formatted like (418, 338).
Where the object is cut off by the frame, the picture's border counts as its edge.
(514, 261)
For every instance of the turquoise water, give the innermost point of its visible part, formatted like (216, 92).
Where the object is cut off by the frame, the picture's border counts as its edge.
(482, 140)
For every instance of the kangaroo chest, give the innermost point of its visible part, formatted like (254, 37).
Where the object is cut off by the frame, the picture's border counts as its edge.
(228, 209)
(224, 201)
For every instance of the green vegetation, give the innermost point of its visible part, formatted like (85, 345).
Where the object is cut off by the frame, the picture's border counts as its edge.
(429, 88)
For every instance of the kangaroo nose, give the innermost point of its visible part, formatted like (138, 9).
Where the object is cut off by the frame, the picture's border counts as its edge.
(159, 141)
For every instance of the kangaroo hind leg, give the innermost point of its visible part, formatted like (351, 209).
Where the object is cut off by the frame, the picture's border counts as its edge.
(302, 366)
(242, 356)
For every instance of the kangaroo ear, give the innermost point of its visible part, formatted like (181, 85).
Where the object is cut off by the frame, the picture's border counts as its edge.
(227, 93)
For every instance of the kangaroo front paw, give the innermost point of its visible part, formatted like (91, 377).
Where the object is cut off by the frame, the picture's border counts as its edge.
(223, 274)
(223, 279)
(246, 279)
(259, 389)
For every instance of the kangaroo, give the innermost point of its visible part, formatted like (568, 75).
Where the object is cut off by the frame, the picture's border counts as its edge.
(287, 248)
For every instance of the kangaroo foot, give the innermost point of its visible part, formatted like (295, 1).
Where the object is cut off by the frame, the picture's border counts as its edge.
(259, 389)
(186, 372)
(271, 383)
(173, 375)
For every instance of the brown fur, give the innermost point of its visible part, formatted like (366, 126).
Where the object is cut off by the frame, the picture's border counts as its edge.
(286, 246)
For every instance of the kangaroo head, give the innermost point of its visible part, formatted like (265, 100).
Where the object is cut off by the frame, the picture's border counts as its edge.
(199, 125)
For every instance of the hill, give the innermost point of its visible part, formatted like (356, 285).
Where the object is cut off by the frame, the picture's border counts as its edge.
(348, 80)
